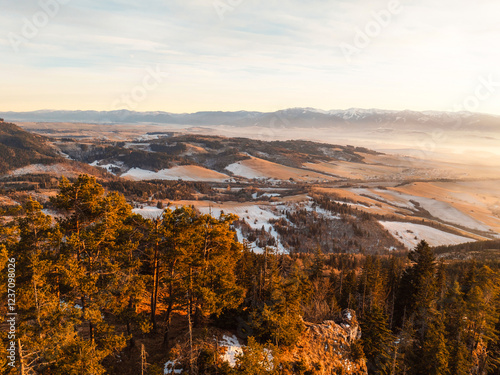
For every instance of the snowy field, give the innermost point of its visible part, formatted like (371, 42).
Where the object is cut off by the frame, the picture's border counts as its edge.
(256, 216)
(148, 212)
(56, 169)
(184, 172)
(263, 169)
(109, 167)
(440, 210)
(238, 169)
(411, 234)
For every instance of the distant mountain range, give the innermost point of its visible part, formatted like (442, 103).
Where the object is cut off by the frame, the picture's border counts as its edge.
(294, 117)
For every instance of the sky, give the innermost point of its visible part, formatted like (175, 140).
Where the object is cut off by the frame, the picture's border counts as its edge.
(262, 55)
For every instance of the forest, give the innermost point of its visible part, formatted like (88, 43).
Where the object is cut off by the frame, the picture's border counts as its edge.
(101, 290)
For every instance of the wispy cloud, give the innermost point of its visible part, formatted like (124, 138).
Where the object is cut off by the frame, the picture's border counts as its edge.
(262, 55)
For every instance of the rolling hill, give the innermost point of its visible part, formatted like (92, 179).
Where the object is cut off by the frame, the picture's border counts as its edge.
(19, 148)
(391, 198)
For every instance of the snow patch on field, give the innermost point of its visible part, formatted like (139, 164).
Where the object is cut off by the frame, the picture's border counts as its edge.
(271, 195)
(233, 348)
(255, 168)
(320, 211)
(257, 217)
(241, 170)
(147, 137)
(170, 368)
(184, 172)
(411, 234)
(450, 214)
(52, 213)
(398, 199)
(57, 169)
(440, 210)
(109, 167)
(148, 212)
(6, 201)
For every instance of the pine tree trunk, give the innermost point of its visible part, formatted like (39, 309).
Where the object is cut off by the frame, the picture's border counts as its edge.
(22, 370)
(168, 320)
(393, 371)
(58, 285)
(154, 296)
(37, 304)
(91, 332)
(143, 359)
(391, 320)
(168, 316)
(364, 296)
(189, 312)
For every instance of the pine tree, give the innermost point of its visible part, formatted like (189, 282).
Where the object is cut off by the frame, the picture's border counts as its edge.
(91, 227)
(483, 313)
(200, 256)
(126, 285)
(348, 294)
(371, 286)
(175, 224)
(378, 341)
(256, 359)
(434, 353)
(278, 317)
(216, 288)
(418, 288)
(393, 280)
(417, 309)
(455, 321)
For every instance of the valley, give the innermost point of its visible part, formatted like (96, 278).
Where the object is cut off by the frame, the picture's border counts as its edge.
(363, 200)
(324, 228)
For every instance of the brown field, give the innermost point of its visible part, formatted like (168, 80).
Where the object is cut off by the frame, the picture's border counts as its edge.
(261, 168)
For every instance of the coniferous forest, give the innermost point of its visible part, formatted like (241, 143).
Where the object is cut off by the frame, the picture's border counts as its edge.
(100, 290)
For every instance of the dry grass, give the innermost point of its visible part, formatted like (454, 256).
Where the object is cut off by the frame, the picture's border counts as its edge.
(271, 170)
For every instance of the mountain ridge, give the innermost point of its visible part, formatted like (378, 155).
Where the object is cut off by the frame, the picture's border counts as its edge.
(291, 117)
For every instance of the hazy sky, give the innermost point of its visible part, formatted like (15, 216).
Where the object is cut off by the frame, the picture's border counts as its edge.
(193, 55)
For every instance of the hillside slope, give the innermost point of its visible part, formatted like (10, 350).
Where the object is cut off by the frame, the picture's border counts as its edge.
(19, 148)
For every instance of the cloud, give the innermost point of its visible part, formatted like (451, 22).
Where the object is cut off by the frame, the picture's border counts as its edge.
(271, 53)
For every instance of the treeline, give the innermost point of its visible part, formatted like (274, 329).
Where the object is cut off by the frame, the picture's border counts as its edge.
(159, 189)
(101, 290)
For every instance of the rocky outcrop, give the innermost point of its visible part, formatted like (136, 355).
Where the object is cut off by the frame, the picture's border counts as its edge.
(331, 347)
